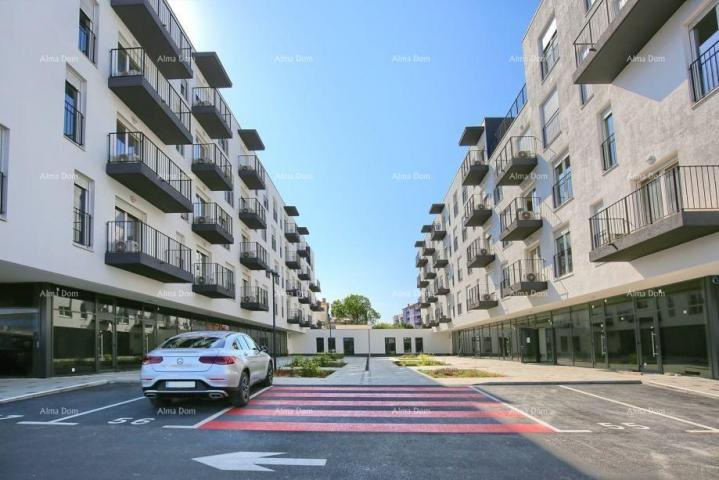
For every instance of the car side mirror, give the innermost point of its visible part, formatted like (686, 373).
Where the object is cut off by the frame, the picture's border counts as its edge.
(263, 349)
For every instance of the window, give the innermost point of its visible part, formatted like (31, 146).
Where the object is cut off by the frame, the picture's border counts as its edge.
(464, 234)
(273, 240)
(86, 40)
(459, 269)
(185, 89)
(609, 147)
(550, 48)
(74, 120)
(550, 118)
(563, 257)
(562, 190)
(497, 195)
(82, 224)
(274, 209)
(4, 134)
(230, 197)
(455, 206)
(586, 92)
(705, 43)
(407, 344)
(464, 194)
(456, 241)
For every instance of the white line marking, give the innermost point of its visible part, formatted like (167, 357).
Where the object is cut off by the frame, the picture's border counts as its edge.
(60, 420)
(214, 415)
(655, 384)
(705, 428)
(53, 390)
(535, 419)
(46, 423)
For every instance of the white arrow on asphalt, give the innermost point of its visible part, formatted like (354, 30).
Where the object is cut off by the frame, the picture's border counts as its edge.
(251, 461)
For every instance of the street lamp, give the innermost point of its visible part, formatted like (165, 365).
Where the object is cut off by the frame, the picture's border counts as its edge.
(369, 343)
(274, 276)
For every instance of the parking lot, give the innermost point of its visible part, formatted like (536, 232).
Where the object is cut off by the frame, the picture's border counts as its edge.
(558, 431)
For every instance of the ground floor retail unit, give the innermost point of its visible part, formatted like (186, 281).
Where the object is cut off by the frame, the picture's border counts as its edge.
(671, 329)
(48, 330)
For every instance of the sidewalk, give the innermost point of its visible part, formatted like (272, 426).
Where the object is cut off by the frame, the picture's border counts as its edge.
(12, 389)
(382, 372)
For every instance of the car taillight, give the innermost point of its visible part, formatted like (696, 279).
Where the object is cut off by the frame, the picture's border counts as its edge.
(147, 360)
(218, 360)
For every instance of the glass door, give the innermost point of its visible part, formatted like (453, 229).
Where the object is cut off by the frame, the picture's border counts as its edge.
(105, 346)
(648, 343)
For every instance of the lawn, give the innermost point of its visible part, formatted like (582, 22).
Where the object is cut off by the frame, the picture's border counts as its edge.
(418, 361)
(459, 373)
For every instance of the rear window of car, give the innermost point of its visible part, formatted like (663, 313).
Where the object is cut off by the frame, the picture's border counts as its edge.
(200, 341)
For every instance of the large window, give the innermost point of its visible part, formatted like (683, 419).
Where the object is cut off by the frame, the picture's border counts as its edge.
(609, 146)
(82, 223)
(562, 190)
(563, 257)
(4, 133)
(550, 119)
(407, 344)
(550, 48)
(87, 41)
(74, 119)
(705, 67)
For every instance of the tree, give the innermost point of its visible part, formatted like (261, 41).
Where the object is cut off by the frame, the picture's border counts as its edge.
(355, 309)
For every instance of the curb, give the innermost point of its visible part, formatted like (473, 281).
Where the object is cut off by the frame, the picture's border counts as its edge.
(69, 388)
(558, 382)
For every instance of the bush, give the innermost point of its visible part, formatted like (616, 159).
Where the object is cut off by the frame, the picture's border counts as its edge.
(459, 373)
(418, 361)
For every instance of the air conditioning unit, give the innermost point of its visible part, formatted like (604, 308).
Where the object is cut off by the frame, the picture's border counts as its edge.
(246, 254)
(201, 280)
(200, 219)
(524, 154)
(481, 206)
(531, 277)
(244, 210)
(247, 299)
(526, 215)
(130, 246)
(484, 251)
(487, 297)
(128, 157)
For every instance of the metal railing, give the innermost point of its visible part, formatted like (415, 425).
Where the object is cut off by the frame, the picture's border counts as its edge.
(74, 127)
(172, 25)
(688, 188)
(214, 274)
(252, 163)
(293, 287)
(211, 153)
(475, 203)
(603, 14)
(212, 213)
(551, 129)
(130, 62)
(438, 227)
(609, 152)
(255, 295)
(550, 57)
(521, 208)
(516, 147)
(87, 43)
(135, 236)
(705, 72)
(563, 263)
(479, 293)
(525, 270)
(514, 110)
(295, 315)
(439, 312)
(291, 227)
(208, 96)
(135, 147)
(81, 227)
(291, 255)
(562, 190)
(253, 250)
(472, 159)
(478, 247)
(252, 205)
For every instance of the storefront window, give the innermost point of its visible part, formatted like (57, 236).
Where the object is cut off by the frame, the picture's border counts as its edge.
(621, 339)
(563, 337)
(73, 331)
(581, 336)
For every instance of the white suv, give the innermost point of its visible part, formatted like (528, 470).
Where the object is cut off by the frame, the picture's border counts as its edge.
(213, 364)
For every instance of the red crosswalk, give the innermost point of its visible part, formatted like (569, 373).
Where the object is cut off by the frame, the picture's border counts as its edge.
(376, 409)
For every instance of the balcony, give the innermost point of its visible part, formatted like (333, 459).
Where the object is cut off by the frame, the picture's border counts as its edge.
(214, 281)
(480, 298)
(304, 297)
(212, 69)
(253, 256)
(140, 165)
(514, 110)
(210, 164)
(704, 72)
(293, 288)
(615, 33)
(420, 261)
(516, 160)
(520, 219)
(306, 323)
(291, 233)
(212, 223)
(421, 282)
(155, 26)
(439, 260)
(316, 307)
(254, 299)
(136, 247)
(295, 316)
(441, 286)
(211, 111)
(428, 274)
(252, 214)
(474, 168)
(433, 322)
(523, 278)
(430, 296)
(292, 260)
(428, 250)
(423, 302)
(315, 286)
(303, 250)
(674, 208)
(480, 254)
(441, 315)
(476, 211)
(138, 83)
(305, 273)
(438, 231)
(252, 172)
(436, 208)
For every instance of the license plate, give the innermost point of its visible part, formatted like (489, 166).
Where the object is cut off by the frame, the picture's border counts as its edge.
(180, 384)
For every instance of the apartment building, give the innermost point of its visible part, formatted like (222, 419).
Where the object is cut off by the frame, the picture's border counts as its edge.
(412, 315)
(581, 227)
(133, 205)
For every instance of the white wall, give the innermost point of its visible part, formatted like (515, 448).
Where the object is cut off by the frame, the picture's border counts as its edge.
(434, 342)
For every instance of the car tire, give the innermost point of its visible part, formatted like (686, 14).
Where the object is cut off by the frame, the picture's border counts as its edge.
(159, 402)
(241, 396)
(270, 376)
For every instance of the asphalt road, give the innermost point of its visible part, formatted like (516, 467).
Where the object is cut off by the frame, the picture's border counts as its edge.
(397, 432)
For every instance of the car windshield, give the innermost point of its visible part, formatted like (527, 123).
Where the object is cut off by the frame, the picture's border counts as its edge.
(200, 341)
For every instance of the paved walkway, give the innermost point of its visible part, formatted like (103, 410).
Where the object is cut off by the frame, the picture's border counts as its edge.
(12, 389)
(382, 372)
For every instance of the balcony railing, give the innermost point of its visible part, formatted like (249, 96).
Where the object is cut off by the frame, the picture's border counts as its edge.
(609, 152)
(562, 190)
(526, 271)
(212, 154)
(211, 214)
(551, 129)
(681, 189)
(438, 231)
(474, 167)
(563, 263)
(208, 98)
(521, 208)
(87, 43)
(705, 72)
(135, 147)
(480, 253)
(133, 62)
(254, 298)
(214, 274)
(253, 255)
(479, 297)
(550, 57)
(74, 128)
(603, 14)
(252, 172)
(514, 110)
(252, 213)
(515, 151)
(295, 316)
(126, 237)
(81, 225)
(477, 211)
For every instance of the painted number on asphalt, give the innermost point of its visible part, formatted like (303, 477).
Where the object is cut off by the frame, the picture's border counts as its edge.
(622, 426)
(130, 421)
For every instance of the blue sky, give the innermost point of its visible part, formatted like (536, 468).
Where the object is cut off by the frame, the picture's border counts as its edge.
(351, 97)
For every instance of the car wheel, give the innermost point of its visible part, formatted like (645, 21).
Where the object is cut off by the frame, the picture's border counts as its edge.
(270, 376)
(159, 402)
(241, 397)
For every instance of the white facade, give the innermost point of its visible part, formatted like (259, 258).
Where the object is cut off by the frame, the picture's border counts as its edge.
(439, 343)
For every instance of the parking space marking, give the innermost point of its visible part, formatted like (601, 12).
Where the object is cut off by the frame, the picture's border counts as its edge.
(531, 417)
(703, 428)
(61, 421)
(652, 383)
(214, 415)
